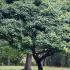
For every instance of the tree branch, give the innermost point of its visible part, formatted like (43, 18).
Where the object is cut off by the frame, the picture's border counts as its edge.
(41, 52)
(49, 52)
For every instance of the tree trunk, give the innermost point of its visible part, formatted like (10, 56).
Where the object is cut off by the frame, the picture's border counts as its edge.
(8, 61)
(28, 62)
(62, 61)
(38, 62)
(66, 62)
(39, 65)
(43, 62)
(2, 64)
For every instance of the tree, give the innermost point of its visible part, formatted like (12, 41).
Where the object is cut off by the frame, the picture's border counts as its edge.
(8, 55)
(36, 29)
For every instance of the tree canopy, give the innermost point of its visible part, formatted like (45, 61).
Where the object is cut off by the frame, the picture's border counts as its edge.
(41, 27)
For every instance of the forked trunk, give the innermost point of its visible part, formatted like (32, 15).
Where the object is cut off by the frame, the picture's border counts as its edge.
(38, 62)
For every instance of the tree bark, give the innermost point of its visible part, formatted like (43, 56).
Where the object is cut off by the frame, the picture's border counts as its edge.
(39, 65)
(38, 62)
(8, 61)
(28, 62)
(66, 61)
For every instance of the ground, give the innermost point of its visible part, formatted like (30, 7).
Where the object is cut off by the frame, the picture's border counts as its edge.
(33, 68)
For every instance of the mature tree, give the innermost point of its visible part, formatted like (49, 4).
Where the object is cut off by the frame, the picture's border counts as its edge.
(38, 29)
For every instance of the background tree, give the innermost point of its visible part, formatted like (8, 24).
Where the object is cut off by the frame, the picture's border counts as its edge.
(8, 55)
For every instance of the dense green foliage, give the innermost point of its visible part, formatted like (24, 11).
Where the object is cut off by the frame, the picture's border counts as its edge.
(36, 25)
(49, 22)
(8, 55)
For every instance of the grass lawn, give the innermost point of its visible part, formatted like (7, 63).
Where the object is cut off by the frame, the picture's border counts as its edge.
(33, 68)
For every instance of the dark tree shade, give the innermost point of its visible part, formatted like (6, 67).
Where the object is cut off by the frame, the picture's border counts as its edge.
(10, 1)
(37, 2)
